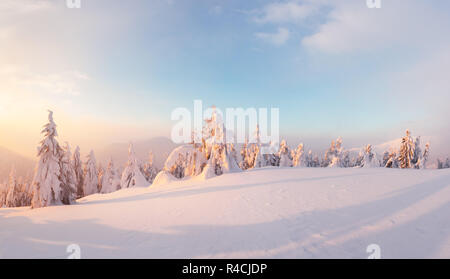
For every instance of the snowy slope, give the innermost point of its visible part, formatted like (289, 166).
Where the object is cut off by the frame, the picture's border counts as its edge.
(263, 213)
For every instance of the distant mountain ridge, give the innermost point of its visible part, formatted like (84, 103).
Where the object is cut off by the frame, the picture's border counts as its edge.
(159, 146)
(24, 166)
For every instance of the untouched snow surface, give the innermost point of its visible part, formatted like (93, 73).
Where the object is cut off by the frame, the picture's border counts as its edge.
(263, 213)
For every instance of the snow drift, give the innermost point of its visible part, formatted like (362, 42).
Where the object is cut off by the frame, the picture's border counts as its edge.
(262, 213)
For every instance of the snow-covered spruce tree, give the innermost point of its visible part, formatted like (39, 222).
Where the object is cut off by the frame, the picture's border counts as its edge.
(215, 135)
(370, 160)
(90, 183)
(298, 156)
(149, 170)
(100, 173)
(273, 159)
(392, 161)
(3, 193)
(259, 160)
(178, 169)
(67, 177)
(132, 175)
(77, 166)
(13, 192)
(333, 155)
(245, 156)
(385, 158)
(25, 192)
(406, 151)
(346, 161)
(329, 155)
(110, 181)
(425, 156)
(309, 159)
(46, 181)
(359, 160)
(233, 154)
(284, 155)
(417, 156)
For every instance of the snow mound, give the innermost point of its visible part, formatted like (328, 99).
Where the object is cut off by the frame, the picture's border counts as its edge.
(163, 178)
(208, 172)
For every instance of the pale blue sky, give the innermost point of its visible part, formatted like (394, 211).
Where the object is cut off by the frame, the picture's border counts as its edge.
(334, 68)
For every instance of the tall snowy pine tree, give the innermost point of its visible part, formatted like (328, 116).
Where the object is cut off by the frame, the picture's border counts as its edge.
(90, 185)
(46, 181)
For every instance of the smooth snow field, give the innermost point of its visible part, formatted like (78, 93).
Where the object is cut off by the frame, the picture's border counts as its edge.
(262, 213)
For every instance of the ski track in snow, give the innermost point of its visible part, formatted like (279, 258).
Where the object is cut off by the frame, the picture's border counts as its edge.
(262, 213)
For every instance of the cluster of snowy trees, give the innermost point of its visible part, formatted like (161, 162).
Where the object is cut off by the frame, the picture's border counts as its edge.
(61, 178)
(15, 191)
(215, 156)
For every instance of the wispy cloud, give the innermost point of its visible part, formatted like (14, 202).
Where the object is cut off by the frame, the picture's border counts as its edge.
(278, 38)
(19, 80)
(281, 12)
(352, 27)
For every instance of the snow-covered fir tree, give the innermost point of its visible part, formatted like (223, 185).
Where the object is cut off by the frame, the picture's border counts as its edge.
(370, 160)
(259, 160)
(26, 193)
(346, 161)
(46, 181)
(149, 170)
(90, 183)
(245, 157)
(386, 156)
(215, 139)
(333, 154)
(131, 175)
(309, 159)
(77, 166)
(392, 160)
(110, 179)
(417, 156)
(284, 155)
(100, 173)
(67, 177)
(329, 155)
(299, 157)
(425, 156)
(3, 193)
(406, 151)
(13, 190)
